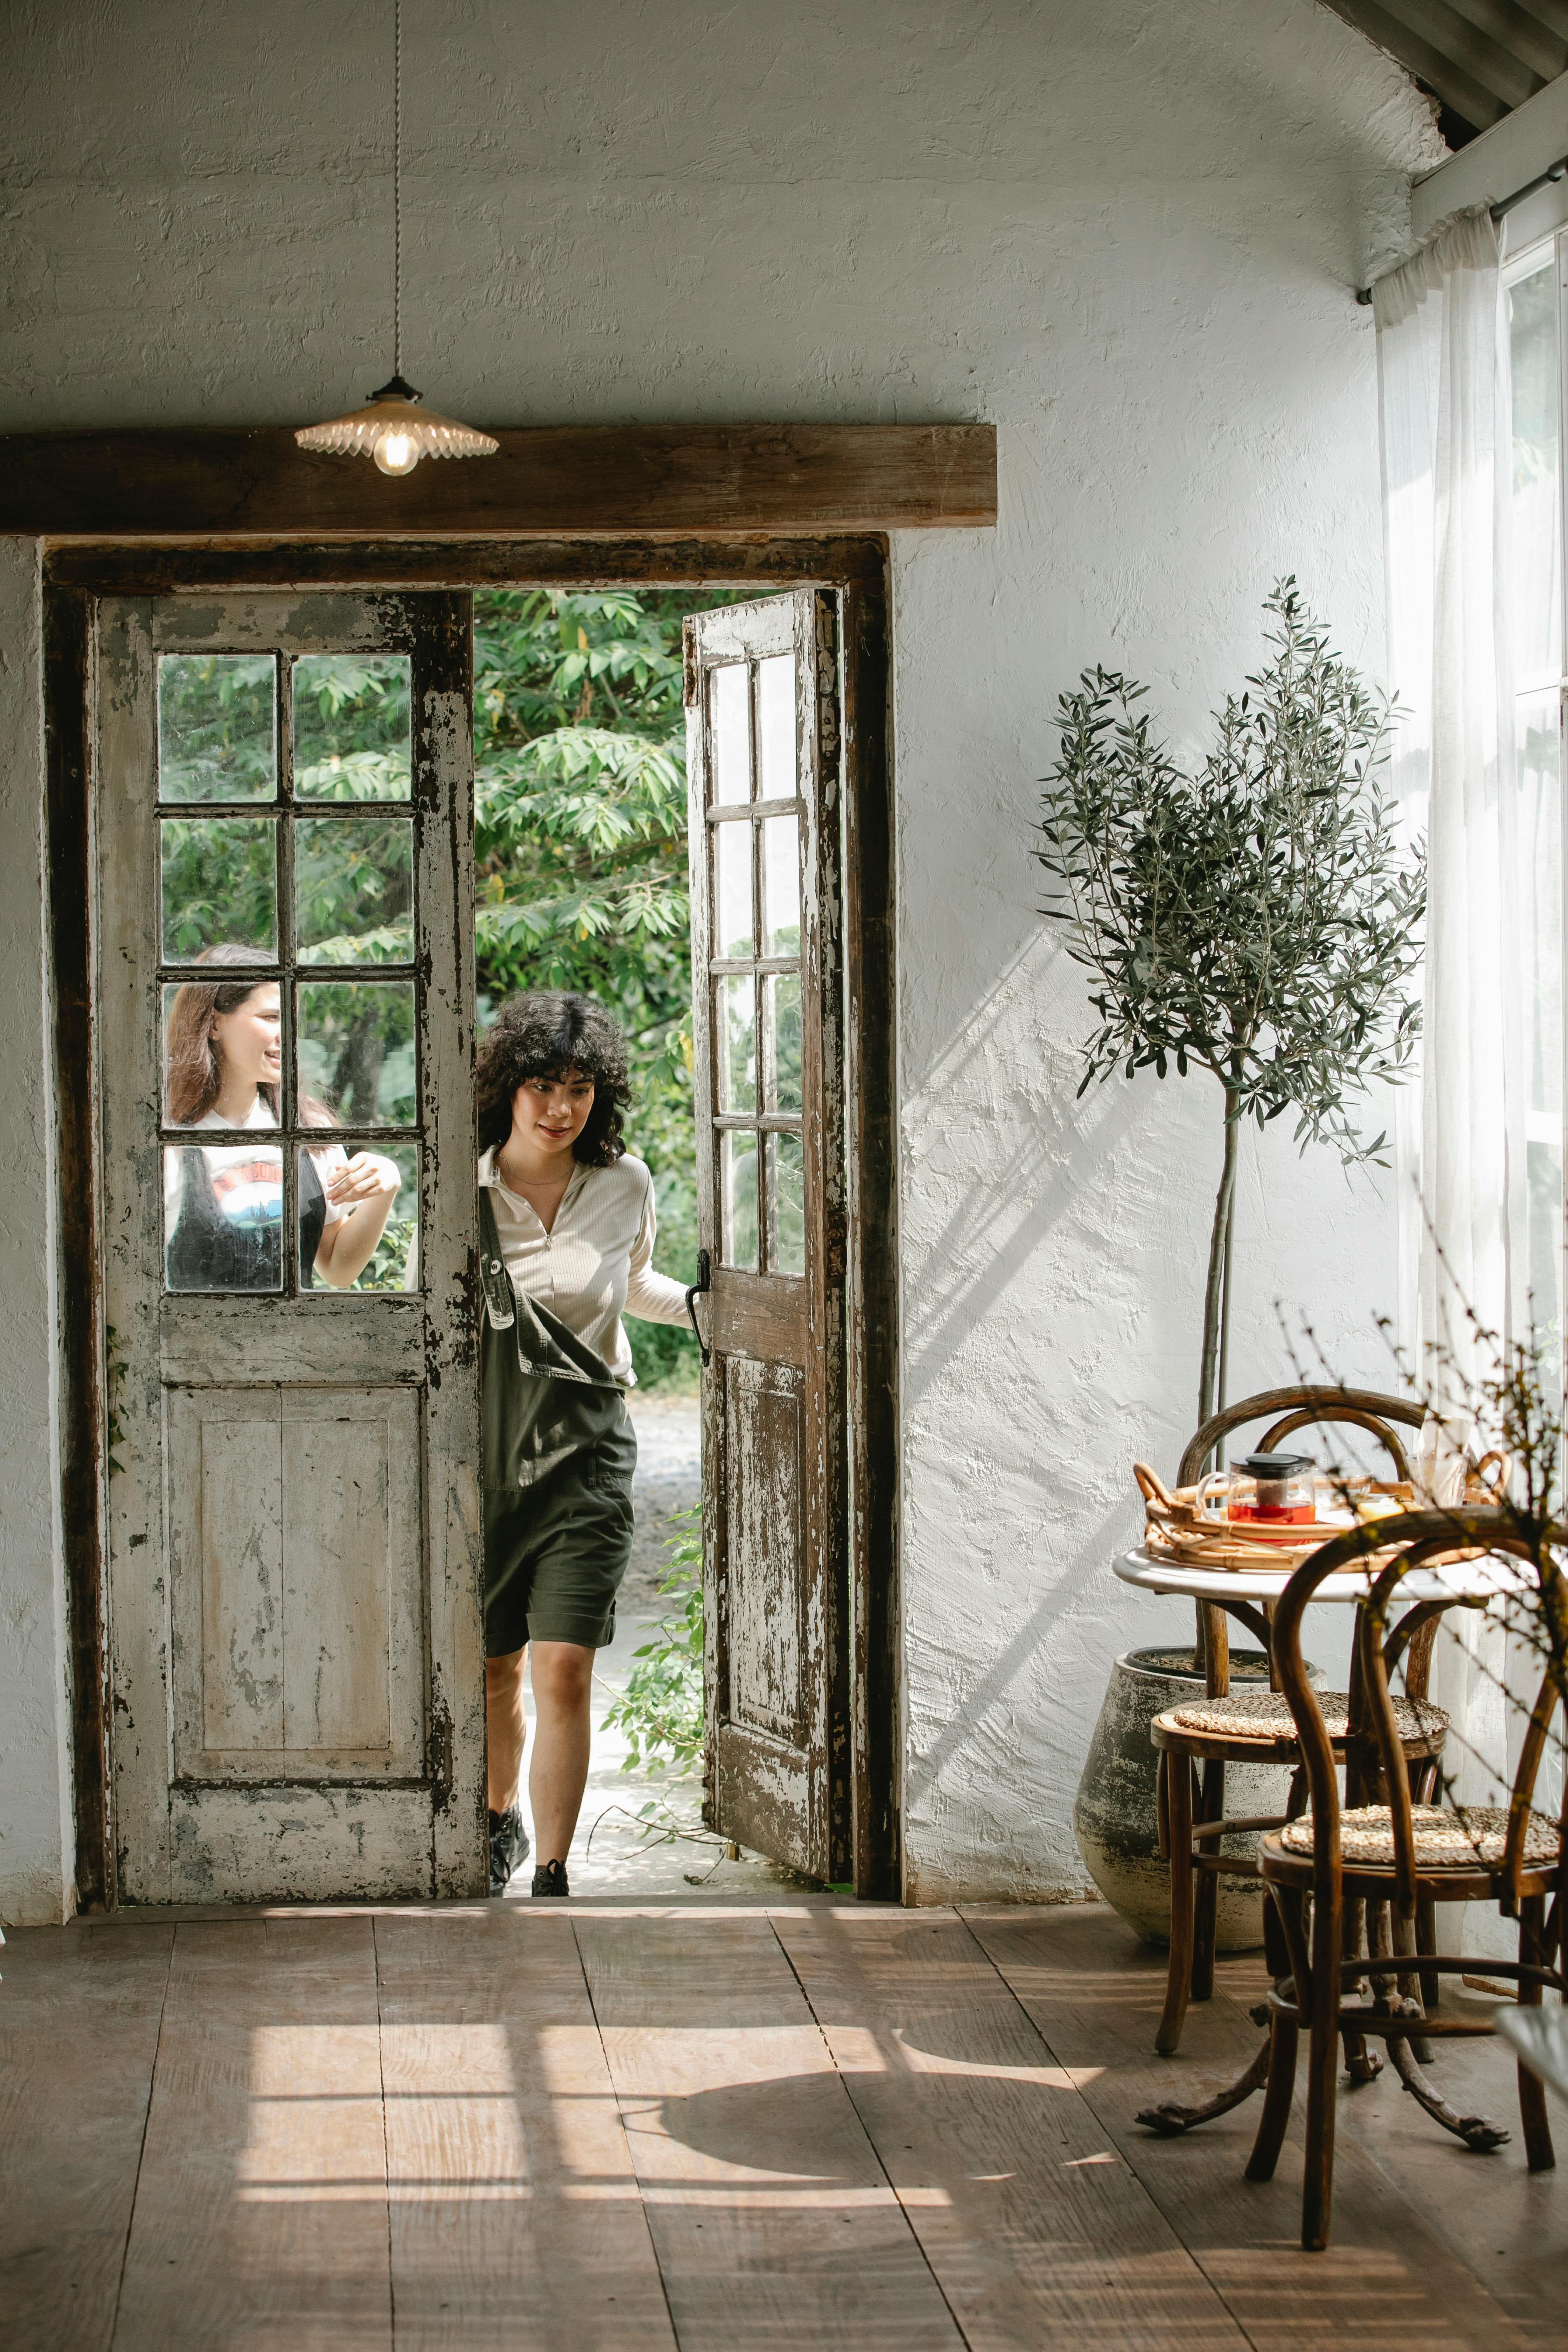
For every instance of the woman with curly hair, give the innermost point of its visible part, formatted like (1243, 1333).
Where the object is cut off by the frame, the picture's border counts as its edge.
(566, 1235)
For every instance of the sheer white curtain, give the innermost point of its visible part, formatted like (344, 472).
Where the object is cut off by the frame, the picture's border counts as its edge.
(1444, 387)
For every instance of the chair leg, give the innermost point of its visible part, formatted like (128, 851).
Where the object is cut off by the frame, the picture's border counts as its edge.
(1533, 2113)
(1386, 1936)
(1205, 1919)
(1276, 1950)
(1322, 2070)
(1426, 1941)
(1178, 1979)
(1284, 2034)
(1361, 2064)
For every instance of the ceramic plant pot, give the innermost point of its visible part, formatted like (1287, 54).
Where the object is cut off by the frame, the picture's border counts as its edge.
(1114, 1819)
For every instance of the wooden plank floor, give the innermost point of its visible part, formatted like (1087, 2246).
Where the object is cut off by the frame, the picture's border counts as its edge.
(595, 2127)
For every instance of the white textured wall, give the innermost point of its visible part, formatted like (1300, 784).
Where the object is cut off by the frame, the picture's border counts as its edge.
(34, 1748)
(1127, 235)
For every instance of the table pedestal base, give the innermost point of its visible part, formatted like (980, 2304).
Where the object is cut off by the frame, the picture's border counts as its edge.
(1171, 2120)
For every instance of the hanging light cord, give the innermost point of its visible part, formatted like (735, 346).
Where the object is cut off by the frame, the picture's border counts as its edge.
(391, 427)
(397, 188)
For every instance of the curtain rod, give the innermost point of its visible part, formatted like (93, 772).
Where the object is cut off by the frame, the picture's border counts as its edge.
(1547, 179)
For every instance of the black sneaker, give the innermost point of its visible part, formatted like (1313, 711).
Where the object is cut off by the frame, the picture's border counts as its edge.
(550, 1878)
(509, 1846)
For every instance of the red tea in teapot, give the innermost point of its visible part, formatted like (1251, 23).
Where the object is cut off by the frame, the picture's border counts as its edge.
(1274, 1488)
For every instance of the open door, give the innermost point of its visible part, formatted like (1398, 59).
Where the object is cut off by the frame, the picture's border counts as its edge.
(295, 1642)
(764, 745)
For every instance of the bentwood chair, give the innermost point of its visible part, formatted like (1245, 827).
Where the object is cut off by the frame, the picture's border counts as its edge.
(1380, 1852)
(1195, 1740)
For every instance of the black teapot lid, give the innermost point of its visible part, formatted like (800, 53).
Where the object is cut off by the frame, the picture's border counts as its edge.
(1274, 1466)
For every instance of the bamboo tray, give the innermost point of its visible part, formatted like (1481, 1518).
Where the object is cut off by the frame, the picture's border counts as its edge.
(1174, 1528)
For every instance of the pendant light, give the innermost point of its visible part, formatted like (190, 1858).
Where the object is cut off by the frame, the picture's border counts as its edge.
(393, 428)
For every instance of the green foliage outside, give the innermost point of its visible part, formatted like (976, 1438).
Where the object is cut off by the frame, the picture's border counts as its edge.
(218, 727)
(580, 744)
(660, 1711)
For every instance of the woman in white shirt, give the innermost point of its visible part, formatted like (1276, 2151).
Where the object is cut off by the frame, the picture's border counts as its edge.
(567, 1229)
(223, 1204)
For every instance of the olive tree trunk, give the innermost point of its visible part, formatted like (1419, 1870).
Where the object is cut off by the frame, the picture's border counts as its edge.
(1216, 1290)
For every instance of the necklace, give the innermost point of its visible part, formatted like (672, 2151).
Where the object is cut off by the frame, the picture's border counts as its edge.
(544, 1194)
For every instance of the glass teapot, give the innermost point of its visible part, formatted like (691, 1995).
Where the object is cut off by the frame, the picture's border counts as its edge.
(1274, 1488)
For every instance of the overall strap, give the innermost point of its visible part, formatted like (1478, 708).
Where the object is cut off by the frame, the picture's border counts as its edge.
(545, 1345)
(501, 1299)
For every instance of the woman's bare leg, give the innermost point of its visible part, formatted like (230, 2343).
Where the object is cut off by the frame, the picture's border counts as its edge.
(504, 1728)
(563, 1675)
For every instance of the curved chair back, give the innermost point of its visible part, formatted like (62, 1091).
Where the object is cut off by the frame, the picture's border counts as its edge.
(1373, 1748)
(1295, 1408)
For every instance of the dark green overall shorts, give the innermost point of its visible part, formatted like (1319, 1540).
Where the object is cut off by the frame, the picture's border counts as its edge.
(559, 1453)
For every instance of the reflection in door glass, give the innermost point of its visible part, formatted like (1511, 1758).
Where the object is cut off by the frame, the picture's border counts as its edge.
(730, 722)
(354, 890)
(351, 727)
(393, 1263)
(218, 727)
(737, 1043)
(738, 1186)
(786, 1193)
(223, 1216)
(783, 991)
(781, 884)
(733, 854)
(356, 1051)
(220, 885)
(776, 728)
(223, 1055)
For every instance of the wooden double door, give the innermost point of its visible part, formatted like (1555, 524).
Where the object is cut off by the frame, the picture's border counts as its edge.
(294, 1574)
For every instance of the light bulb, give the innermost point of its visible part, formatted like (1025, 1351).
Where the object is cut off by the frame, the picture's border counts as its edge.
(396, 452)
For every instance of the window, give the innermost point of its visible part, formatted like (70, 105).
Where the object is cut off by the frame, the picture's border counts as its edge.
(1536, 318)
(755, 823)
(286, 862)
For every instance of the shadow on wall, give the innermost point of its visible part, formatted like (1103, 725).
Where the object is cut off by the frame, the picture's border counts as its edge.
(988, 1730)
(1000, 1152)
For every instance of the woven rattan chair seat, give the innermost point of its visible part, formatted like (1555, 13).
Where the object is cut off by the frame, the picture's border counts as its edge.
(1265, 1715)
(1474, 1840)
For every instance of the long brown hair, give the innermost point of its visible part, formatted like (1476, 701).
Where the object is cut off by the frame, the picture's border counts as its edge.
(193, 1074)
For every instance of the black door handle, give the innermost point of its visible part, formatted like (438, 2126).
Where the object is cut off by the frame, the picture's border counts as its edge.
(704, 1282)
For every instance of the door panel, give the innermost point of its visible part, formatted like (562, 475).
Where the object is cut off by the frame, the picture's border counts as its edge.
(295, 1639)
(764, 1468)
(764, 743)
(296, 1571)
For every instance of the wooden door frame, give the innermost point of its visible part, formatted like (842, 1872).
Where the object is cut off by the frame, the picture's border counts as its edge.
(77, 572)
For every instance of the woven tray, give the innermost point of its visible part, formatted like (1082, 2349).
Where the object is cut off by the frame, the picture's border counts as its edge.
(1176, 1530)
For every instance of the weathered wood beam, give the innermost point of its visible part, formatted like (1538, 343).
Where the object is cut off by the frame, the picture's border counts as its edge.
(152, 568)
(647, 481)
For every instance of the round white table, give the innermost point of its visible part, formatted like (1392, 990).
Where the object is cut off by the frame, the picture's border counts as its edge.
(1491, 1578)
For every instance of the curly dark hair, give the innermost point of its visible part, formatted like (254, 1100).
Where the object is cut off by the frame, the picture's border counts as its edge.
(543, 1035)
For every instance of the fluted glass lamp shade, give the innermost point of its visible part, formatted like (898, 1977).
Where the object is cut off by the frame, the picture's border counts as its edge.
(396, 431)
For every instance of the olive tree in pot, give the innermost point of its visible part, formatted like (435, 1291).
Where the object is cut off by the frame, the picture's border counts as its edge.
(1256, 919)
